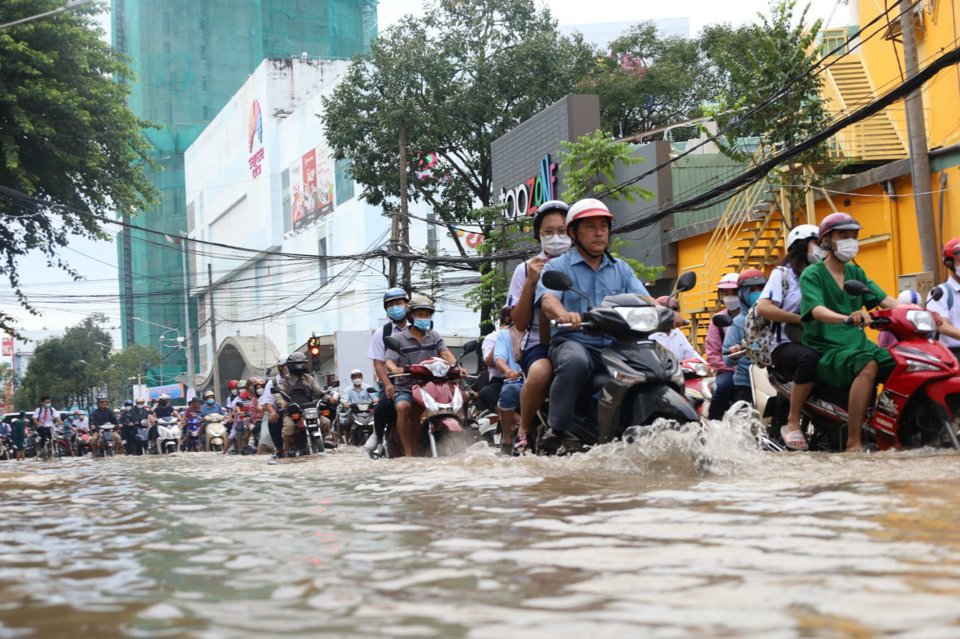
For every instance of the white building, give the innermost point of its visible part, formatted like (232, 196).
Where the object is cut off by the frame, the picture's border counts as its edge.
(262, 177)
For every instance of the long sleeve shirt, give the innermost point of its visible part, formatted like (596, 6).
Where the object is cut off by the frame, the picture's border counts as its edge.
(713, 347)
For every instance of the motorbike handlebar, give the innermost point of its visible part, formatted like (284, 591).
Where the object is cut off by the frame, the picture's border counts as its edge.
(583, 324)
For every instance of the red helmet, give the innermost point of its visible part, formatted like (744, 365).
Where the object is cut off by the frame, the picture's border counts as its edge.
(950, 249)
(838, 222)
(587, 208)
(244, 394)
(232, 384)
(752, 277)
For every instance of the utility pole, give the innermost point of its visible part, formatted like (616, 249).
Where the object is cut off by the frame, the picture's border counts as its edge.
(186, 310)
(394, 245)
(919, 151)
(213, 332)
(404, 217)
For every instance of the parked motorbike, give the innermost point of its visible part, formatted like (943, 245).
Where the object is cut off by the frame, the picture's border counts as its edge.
(920, 402)
(643, 381)
(216, 432)
(168, 435)
(436, 389)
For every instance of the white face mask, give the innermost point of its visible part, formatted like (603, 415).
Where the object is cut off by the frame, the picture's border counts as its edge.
(846, 250)
(816, 254)
(555, 245)
(731, 302)
(357, 382)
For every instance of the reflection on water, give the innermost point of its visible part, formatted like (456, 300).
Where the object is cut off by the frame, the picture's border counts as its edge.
(672, 538)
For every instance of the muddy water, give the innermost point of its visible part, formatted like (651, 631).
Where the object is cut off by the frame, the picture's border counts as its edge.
(645, 541)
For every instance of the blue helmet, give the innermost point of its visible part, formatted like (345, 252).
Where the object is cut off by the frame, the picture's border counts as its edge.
(394, 294)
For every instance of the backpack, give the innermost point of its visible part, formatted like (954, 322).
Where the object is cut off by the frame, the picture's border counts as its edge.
(299, 389)
(759, 331)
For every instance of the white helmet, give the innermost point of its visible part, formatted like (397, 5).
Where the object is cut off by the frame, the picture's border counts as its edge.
(356, 372)
(802, 232)
(907, 296)
(164, 396)
(730, 281)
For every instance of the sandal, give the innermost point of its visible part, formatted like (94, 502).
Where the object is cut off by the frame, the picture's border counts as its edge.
(520, 445)
(793, 439)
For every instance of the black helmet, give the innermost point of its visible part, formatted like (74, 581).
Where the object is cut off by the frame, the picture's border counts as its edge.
(550, 206)
(297, 363)
(101, 398)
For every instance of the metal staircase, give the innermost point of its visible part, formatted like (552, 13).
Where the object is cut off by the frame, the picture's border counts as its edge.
(749, 234)
(847, 88)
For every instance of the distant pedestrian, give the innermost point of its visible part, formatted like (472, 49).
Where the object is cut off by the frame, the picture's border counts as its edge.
(20, 434)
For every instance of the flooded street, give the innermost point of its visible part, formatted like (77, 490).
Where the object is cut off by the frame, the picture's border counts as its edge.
(621, 542)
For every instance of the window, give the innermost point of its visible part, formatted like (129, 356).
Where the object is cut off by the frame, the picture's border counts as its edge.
(343, 181)
(322, 254)
(285, 193)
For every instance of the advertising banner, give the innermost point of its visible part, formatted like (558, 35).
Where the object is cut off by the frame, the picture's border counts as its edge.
(311, 186)
(7, 346)
(175, 391)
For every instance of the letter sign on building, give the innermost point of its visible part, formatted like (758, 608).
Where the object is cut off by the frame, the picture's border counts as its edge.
(530, 194)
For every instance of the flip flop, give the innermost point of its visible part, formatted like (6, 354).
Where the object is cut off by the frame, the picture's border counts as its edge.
(793, 439)
(520, 445)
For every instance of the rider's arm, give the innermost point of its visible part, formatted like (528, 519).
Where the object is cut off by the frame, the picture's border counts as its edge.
(392, 367)
(523, 310)
(768, 309)
(946, 328)
(552, 307)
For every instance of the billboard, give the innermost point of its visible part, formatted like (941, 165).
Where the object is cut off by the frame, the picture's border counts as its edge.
(311, 187)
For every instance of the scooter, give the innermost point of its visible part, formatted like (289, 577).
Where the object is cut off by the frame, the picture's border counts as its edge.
(920, 402)
(437, 391)
(362, 426)
(193, 435)
(168, 435)
(106, 439)
(643, 381)
(698, 384)
(313, 444)
(216, 432)
(143, 436)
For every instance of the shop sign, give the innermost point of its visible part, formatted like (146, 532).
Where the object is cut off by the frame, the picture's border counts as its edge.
(255, 136)
(530, 194)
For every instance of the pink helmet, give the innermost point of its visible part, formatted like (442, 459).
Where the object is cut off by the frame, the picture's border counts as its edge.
(587, 208)
(838, 222)
(729, 282)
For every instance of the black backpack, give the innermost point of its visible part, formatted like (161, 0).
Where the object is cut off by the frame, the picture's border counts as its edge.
(299, 390)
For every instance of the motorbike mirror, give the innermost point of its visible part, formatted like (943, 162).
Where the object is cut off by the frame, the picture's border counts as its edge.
(936, 294)
(470, 346)
(371, 389)
(722, 321)
(686, 282)
(335, 384)
(855, 287)
(557, 281)
(392, 343)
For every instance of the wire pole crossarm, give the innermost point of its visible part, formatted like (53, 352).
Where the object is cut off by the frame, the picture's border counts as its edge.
(73, 4)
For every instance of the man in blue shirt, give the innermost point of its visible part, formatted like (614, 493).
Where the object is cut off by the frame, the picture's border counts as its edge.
(574, 354)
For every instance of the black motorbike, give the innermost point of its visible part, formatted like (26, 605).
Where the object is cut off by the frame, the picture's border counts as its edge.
(642, 381)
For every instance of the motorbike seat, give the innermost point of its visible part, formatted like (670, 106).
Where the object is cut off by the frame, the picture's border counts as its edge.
(780, 377)
(833, 394)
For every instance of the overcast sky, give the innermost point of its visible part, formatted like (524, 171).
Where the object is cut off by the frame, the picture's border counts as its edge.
(96, 261)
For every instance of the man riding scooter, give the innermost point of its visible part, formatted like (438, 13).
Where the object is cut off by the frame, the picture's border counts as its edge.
(356, 394)
(576, 355)
(833, 320)
(301, 388)
(98, 418)
(395, 305)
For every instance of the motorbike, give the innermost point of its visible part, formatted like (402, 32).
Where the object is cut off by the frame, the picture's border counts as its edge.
(920, 402)
(698, 384)
(216, 432)
(107, 445)
(6, 447)
(643, 381)
(436, 389)
(192, 429)
(362, 423)
(310, 425)
(168, 435)
(143, 436)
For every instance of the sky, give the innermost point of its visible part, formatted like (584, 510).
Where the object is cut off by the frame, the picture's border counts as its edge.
(96, 261)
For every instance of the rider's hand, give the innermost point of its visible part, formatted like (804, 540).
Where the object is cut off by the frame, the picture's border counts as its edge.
(570, 318)
(390, 390)
(512, 375)
(535, 267)
(860, 318)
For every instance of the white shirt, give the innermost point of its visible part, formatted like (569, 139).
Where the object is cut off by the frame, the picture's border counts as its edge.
(773, 291)
(513, 297)
(950, 313)
(677, 343)
(46, 416)
(267, 397)
(489, 343)
(377, 350)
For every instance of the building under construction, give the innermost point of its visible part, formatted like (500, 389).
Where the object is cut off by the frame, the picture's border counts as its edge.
(188, 59)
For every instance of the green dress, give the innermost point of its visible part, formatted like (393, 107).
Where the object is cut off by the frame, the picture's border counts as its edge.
(844, 350)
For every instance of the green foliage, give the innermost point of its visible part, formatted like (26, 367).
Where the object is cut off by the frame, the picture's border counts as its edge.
(649, 81)
(456, 79)
(66, 134)
(646, 274)
(589, 164)
(72, 368)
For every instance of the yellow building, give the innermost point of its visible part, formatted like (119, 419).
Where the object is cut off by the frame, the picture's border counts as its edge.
(752, 229)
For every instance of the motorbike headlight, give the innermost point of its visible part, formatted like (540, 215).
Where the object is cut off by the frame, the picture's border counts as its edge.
(626, 378)
(914, 366)
(922, 321)
(310, 413)
(643, 319)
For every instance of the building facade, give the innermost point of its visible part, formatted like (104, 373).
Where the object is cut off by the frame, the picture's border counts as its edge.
(262, 177)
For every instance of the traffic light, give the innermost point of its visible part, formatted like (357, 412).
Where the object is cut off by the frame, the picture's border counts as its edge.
(313, 345)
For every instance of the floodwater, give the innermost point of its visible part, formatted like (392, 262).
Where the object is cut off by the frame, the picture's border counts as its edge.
(657, 540)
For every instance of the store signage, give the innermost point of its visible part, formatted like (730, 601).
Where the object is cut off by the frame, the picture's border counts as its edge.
(255, 136)
(7, 346)
(530, 194)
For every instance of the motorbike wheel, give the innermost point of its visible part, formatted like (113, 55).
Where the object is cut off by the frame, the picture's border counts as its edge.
(950, 428)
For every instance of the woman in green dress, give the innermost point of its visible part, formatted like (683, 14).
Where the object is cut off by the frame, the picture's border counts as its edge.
(847, 357)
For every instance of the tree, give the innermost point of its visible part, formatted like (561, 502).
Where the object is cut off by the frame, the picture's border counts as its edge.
(649, 81)
(123, 368)
(771, 90)
(454, 81)
(66, 135)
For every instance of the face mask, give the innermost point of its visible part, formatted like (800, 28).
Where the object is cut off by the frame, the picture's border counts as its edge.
(753, 297)
(731, 302)
(210, 402)
(357, 382)
(423, 324)
(846, 250)
(46, 404)
(555, 245)
(259, 392)
(396, 313)
(234, 392)
(816, 254)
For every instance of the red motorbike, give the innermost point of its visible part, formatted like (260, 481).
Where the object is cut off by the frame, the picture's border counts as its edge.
(920, 402)
(436, 389)
(698, 383)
